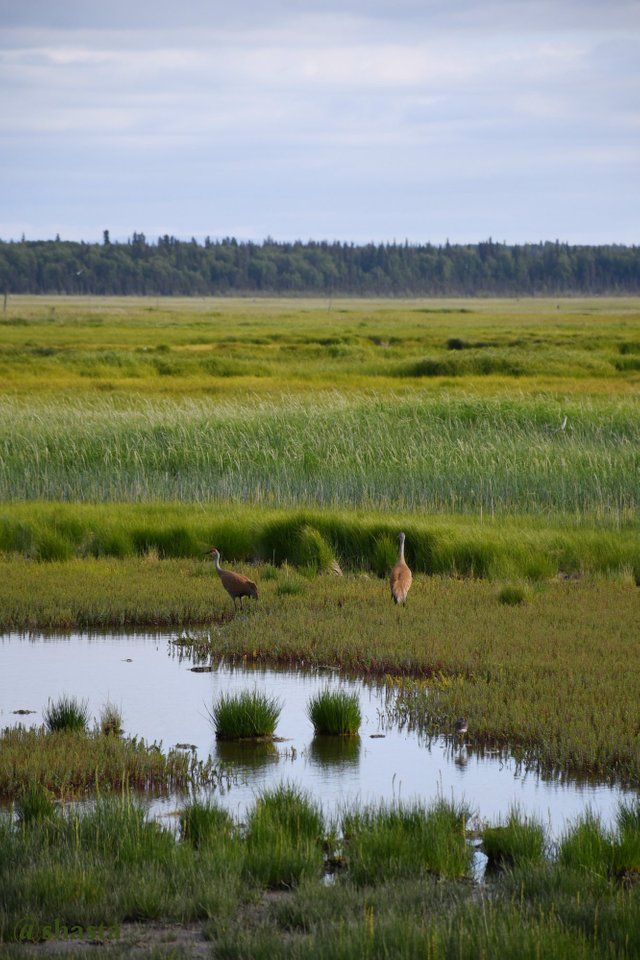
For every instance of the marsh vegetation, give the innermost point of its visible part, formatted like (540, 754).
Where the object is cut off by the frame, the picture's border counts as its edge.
(401, 882)
(502, 437)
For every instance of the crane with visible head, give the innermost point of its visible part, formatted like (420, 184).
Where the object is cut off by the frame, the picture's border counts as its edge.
(400, 579)
(236, 584)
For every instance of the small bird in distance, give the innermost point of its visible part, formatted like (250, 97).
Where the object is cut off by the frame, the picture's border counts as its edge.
(461, 726)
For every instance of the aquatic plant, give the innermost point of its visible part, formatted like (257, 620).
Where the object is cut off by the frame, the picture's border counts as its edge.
(204, 823)
(68, 763)
(519, 841)
(66, 713)
(111, 720)
(245, 715)
(399, 841)
(97, 866)
(334, 712)
(587, 846)
(284, 837)
(35, 803)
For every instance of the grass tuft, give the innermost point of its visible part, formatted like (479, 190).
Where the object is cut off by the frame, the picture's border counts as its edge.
(35, 804)
(398, 842)
(514, 594)
(519, 841)
(111, 720)
(588, 847)
(204, 824)
(245, 715)
(66, 713)
(335, 713)
(284, 838)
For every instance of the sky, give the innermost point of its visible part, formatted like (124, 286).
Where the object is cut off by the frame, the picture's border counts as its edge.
(351, 120)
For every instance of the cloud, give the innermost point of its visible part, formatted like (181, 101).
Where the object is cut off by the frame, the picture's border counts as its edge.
(312, 100)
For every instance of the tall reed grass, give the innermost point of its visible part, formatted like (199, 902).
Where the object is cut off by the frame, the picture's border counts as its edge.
(497, 455)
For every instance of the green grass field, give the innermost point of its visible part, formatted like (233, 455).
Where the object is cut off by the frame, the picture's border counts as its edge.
(227, 347)
(298, 436)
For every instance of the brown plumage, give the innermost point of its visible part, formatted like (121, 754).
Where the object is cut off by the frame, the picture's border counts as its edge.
(236, 584)
(400, 578)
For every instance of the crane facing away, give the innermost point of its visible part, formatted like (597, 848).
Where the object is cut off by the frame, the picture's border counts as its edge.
(236, 584)
(400, 579)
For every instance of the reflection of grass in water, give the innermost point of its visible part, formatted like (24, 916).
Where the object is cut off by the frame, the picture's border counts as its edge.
(247, 755)
(335, 752)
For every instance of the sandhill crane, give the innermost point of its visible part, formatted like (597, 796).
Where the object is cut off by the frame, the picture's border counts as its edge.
(400, 579)
(236, 584)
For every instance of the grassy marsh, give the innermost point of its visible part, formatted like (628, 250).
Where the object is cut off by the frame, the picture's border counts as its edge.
(70, 763)
(456, 650)
(531, 547)
(110, 866)
(222, 345)
(133, 433)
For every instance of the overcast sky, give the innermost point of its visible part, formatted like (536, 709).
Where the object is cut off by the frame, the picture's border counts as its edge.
(353, 120)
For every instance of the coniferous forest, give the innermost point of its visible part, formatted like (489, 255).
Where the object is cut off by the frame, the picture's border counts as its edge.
(172, 267)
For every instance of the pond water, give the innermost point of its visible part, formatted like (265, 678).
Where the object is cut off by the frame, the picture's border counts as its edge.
(163, 698)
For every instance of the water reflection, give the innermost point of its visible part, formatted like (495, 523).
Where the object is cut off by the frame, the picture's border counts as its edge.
(151, 680)
(246, 755)
(335, 752)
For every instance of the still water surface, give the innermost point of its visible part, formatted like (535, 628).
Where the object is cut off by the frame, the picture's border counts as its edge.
(162, 698)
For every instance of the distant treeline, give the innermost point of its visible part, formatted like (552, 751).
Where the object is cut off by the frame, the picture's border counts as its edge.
(170, 267)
